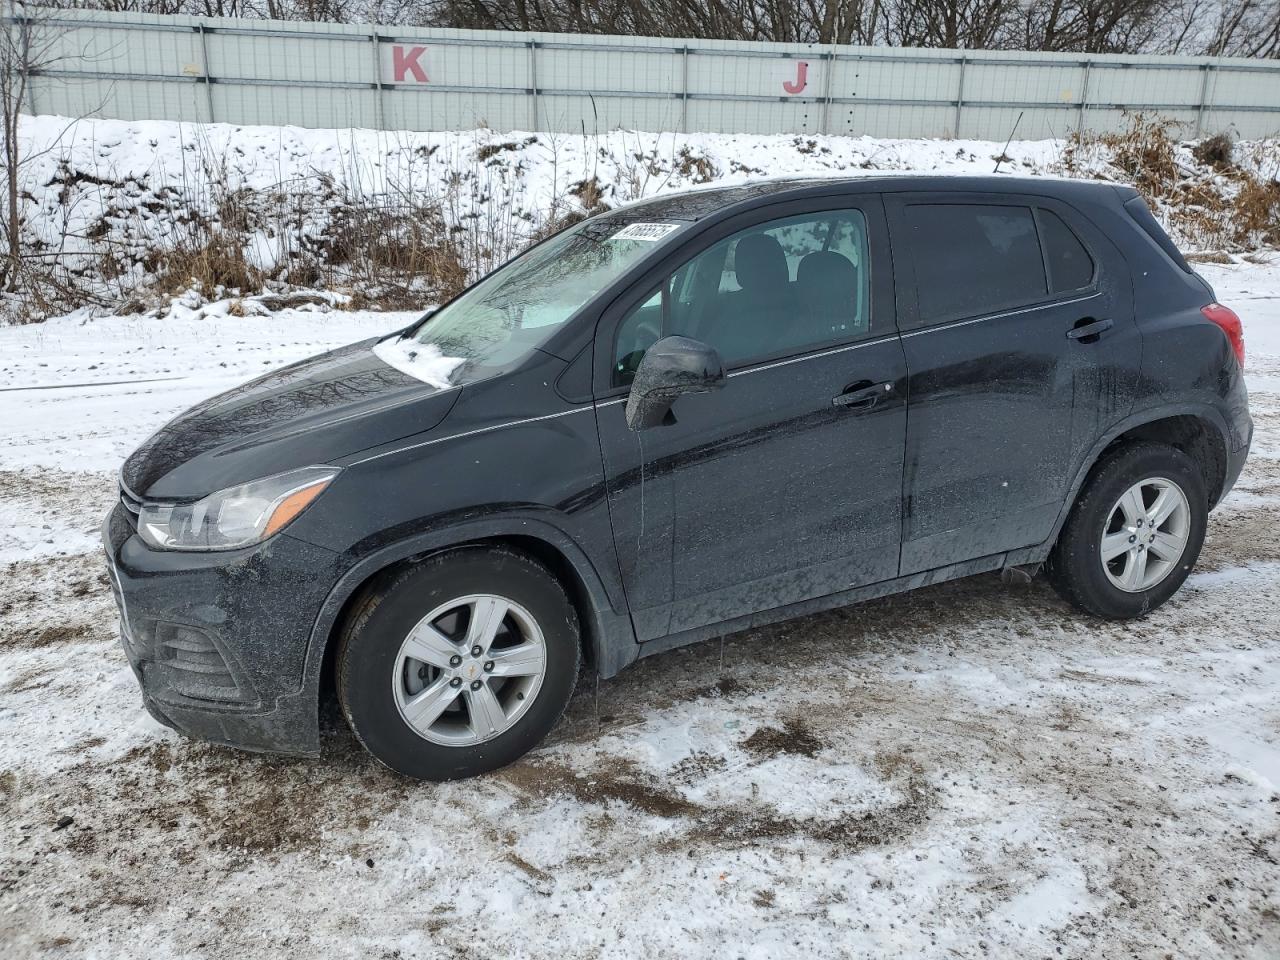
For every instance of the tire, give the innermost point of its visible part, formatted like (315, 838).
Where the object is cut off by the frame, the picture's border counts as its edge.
(381, 685)
(1116, 589)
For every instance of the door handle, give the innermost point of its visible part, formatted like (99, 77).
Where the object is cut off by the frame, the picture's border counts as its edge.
(1089, 328)
(862, 395)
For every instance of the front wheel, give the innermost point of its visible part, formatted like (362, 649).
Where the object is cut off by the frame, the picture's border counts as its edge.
(1134, 532)
(460, 664)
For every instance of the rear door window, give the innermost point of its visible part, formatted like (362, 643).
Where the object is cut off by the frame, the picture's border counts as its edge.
(973, 259)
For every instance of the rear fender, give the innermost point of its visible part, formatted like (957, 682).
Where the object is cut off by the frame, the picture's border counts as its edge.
(1205, 412)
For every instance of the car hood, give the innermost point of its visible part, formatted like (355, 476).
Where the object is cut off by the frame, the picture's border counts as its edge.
(313, 411)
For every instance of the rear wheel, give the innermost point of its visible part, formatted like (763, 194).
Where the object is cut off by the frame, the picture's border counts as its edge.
(1134, 532)
(459, 665)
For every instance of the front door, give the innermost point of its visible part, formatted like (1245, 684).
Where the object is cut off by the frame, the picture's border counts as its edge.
(1019, 335)
(786, 484)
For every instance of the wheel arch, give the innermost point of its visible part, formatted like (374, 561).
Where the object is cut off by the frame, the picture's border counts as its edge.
(1195, 436)
(1197, 429)
(1200, 431)
(608, 639)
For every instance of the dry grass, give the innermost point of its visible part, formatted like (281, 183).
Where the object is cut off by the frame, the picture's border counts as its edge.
(396, 249)
(1145, 153)
(1211, 201)
(1215, 151)
(217, 261)
(591, 194)
(388, 256)
(1257, 210)
(695, 167)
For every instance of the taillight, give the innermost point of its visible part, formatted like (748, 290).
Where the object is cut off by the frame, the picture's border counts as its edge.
(1226, 318)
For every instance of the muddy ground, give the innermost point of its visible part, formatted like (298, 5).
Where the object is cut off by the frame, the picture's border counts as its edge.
(971, 770)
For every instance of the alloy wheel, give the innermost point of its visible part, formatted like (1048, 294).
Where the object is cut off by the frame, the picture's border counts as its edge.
(1146, 534)
(469, 670)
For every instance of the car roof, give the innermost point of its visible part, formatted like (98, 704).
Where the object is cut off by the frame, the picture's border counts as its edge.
(701, 202)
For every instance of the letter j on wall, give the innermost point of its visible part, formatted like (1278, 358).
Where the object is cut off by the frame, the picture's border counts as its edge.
(406, 64)
(800, 82)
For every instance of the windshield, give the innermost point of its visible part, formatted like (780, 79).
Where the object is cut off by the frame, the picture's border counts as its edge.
(519, 306)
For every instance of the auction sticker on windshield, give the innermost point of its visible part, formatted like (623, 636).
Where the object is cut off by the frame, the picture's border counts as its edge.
(645, 231)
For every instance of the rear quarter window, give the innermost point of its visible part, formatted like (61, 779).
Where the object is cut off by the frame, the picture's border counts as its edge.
(973, 259)
(1070, 266)
(1143, 217)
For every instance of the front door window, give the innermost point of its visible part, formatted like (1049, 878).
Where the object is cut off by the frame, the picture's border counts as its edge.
(778, 288)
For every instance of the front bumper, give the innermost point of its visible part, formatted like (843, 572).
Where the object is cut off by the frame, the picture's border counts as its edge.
(218, 641)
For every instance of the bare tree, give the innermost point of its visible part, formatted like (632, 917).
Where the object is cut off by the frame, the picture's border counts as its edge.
(24, 48)
(1101, 26)
(969, 24)
(29, 45)
(1248, 28)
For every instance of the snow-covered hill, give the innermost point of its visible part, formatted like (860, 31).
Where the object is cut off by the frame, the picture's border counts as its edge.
(127, 214)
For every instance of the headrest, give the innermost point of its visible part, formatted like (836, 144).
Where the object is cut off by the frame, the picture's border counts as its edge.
(827, 273)
(760, 265)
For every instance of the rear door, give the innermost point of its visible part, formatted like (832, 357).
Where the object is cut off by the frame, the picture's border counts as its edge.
(1018, 329)
(785, 484)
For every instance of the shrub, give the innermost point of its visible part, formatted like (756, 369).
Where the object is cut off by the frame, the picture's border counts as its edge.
(1215, 151)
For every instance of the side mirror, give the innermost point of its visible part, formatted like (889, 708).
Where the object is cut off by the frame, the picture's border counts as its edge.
(671, 367)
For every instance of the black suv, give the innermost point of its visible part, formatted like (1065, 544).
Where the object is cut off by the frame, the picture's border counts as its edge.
(692, 415)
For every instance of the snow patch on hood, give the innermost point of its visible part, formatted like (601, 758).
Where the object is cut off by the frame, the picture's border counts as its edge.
(422, 360)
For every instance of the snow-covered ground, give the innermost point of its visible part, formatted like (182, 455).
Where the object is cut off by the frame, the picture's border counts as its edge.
(971, 770)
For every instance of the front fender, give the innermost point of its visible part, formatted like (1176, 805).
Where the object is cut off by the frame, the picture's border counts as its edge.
(607, 628)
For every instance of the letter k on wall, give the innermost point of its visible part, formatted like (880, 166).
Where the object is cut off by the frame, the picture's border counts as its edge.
(404, 61)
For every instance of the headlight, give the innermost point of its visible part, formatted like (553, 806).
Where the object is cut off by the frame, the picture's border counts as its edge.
(235, 517)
